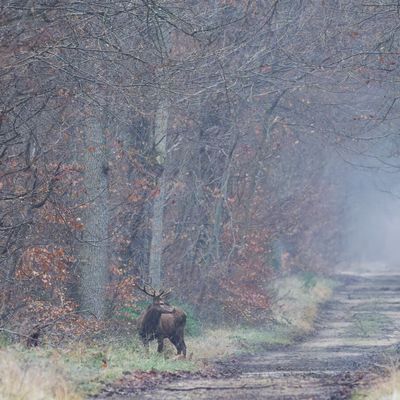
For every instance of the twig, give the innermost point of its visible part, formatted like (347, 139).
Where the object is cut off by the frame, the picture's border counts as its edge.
(14, 333)
(188, 389)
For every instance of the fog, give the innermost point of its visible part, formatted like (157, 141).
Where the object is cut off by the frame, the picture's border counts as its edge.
(372, 219)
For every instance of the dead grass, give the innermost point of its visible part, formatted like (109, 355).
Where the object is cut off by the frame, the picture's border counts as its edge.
(21, 380)
(383, 388)
(299, 300)
(224, 342)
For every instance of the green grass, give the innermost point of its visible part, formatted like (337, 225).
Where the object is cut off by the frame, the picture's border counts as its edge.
(4, 340)
(88, 368)
(367, 324)
(275, 334)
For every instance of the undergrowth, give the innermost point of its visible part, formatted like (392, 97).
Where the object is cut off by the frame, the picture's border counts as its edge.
(86, 368)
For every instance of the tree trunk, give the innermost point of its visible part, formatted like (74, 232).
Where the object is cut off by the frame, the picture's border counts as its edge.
(157, 227)
(93, 250)
(219, 208)
(160, 142)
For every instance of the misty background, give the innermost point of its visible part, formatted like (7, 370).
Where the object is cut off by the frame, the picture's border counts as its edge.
(209, 146)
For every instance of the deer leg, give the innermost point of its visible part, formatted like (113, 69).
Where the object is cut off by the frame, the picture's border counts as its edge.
(175, 341)
(146, 345)
(183, 347)
(179, 343)
(160, 346)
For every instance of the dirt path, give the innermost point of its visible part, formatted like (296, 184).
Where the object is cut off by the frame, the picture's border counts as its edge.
(357, 326)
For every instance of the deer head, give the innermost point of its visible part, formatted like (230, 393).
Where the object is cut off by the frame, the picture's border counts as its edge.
(158, 298)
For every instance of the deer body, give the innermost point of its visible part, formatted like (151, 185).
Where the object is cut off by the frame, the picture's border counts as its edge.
(161, 321)
(172, 326)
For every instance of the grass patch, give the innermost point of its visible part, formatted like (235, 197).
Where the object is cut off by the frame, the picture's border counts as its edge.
(367, 324)
(272, 335)
(98, 365)
(224, 342)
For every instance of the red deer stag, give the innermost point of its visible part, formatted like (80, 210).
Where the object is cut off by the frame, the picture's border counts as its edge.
(160, 321)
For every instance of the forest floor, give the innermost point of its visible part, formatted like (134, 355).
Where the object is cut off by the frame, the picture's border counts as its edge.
(357, 332)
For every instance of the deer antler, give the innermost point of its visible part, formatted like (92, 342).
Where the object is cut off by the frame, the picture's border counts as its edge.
(164, 293)
(145, 290)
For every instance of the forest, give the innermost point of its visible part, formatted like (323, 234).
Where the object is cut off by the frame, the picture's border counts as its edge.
(229, 151)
